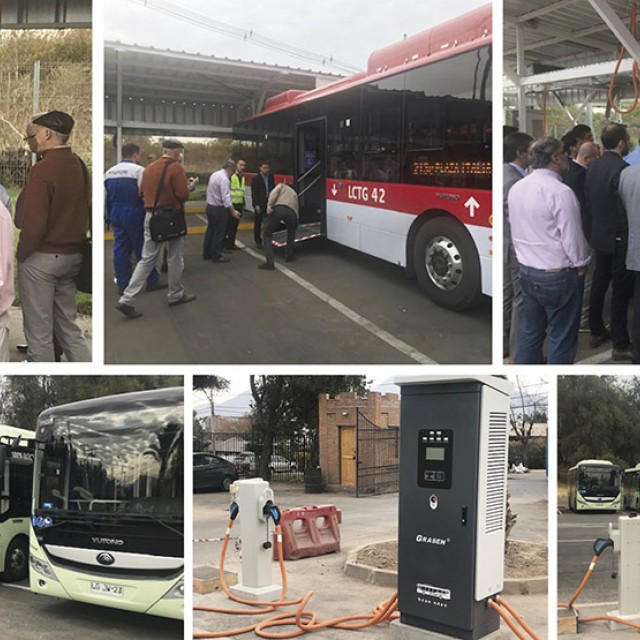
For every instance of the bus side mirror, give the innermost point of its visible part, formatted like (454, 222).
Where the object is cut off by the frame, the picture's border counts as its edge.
(4, 454)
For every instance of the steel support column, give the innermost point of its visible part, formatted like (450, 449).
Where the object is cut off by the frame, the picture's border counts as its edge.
(119, 105)
(520, 70)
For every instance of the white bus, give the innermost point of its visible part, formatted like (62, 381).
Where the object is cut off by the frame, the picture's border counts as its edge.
(108, 502)
(16, 481)
(631, 488)
(595, 485)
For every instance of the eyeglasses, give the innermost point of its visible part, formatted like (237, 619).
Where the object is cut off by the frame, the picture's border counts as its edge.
(27, 138)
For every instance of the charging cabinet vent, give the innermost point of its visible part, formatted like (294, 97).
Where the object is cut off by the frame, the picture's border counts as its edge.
(496, 486)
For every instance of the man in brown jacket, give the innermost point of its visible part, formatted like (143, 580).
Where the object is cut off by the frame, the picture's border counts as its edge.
(173, 191)
(53, 213)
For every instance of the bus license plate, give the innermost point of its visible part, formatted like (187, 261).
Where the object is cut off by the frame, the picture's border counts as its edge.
(107, 589)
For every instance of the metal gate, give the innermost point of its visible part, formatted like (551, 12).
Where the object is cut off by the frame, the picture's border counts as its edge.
(377, 454)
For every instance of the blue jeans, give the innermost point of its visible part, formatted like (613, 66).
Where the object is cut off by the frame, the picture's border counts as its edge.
(552, 302)
(216, 229)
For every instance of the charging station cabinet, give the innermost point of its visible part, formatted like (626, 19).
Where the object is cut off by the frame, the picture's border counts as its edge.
(453, 477)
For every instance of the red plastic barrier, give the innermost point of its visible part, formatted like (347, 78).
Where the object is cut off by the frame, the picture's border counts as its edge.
(310, 531)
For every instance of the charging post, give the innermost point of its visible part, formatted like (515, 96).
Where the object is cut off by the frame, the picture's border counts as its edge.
(453, 476)
(626, 542)
(252, 497)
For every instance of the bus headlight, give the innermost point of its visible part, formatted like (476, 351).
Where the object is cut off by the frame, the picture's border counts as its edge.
(177, 592)
(43, 568)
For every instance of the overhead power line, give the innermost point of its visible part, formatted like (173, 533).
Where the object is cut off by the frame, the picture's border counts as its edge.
(210, 24)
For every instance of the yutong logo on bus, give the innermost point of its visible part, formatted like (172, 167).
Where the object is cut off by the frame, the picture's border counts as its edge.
(114, 542)
(429, 540)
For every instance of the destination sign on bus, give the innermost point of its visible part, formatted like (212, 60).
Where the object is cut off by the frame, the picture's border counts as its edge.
(452, 168)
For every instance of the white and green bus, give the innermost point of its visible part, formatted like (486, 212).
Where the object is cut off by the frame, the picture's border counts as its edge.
(631, 488)
(16, 481)
(595, 485)
(108, 502)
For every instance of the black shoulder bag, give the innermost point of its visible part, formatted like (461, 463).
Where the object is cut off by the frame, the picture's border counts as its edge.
(167, 222)
(85, 275)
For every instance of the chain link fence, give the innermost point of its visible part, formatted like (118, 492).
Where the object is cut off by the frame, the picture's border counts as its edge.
(37, 88)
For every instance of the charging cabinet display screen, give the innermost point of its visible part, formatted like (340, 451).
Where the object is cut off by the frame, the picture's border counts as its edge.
(435, 453)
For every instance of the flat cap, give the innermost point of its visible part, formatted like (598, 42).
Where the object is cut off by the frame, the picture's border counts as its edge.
(56, 121)
(172, 143)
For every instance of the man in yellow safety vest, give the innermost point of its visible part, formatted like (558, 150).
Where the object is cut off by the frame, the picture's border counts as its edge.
(237, 201)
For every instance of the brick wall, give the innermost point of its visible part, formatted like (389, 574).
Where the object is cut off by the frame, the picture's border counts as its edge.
(340, 412)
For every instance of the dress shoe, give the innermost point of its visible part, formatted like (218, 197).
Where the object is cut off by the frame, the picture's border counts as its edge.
(187, 297)
(622, 354)
(265, 266)
(289, 258)
(596, 341)
(128, 310)
(221, 259)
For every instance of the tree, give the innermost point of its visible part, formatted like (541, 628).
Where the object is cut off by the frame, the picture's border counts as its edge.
(526, 410)
(25, 397)
(289, 405)
(210, 385)
(597, 418)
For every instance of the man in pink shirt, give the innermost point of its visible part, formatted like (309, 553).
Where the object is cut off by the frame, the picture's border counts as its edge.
(6, 279)
(552, 253)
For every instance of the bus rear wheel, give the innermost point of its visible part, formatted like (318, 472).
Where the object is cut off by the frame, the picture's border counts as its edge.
(16, 563)
(447, 264)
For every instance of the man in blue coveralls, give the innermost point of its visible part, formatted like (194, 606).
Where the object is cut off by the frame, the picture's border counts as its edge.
(125, 212)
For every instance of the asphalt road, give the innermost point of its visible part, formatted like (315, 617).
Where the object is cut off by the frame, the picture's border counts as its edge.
(26, 616)
(364, 520)
(576, 535)
(331, 306)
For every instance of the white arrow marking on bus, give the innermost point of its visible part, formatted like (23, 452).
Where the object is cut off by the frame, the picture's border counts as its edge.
(334, 190)
(472, 204)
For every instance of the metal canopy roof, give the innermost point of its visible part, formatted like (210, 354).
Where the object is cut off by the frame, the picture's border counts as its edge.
(45, 14)
(194, 83)
(568, 48)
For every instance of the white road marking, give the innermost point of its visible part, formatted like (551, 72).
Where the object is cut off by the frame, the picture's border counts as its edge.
(15, 586)
(352, 315)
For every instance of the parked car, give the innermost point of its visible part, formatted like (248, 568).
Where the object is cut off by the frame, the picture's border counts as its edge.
(213, 472)
(279, 464)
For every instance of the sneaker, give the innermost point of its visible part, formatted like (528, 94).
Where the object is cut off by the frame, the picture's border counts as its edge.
(128, 310)
(187, 297)
(157, 285)
(221, 259)
(266, 266)
(597, 341)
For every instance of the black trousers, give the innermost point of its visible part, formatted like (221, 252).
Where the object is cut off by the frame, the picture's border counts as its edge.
(281, 213)
(232, 228)
(635, 321)
(611, 268)
(257, 226)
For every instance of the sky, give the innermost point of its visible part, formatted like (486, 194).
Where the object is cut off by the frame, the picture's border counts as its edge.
(235, 402)
(347, 30)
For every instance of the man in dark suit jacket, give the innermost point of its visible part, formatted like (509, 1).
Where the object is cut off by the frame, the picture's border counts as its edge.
(516, 161)
(261, 186)
(609, 238)
(575, 178)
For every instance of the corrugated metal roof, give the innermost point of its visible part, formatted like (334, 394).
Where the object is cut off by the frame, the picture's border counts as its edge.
(564, 34)
(150, 73)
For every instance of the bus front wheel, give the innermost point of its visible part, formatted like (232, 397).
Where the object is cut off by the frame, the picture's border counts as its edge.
(16, 563)
(447, 264)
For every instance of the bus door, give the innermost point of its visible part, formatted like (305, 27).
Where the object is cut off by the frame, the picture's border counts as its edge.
(310, 176)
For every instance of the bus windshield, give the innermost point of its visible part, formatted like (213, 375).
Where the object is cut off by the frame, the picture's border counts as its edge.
(115, 460)
(599, 481)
